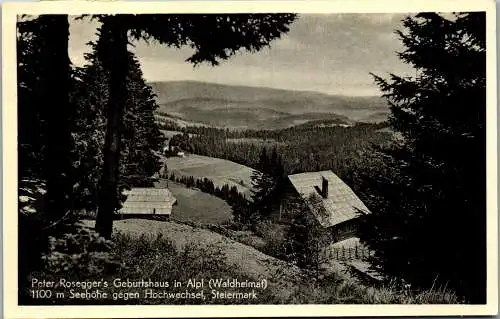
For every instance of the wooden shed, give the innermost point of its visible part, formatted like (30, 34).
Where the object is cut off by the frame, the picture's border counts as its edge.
(142, 202)
(335, 205)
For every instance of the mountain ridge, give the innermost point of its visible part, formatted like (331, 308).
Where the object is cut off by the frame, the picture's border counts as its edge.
(186, 98)
(283, 90)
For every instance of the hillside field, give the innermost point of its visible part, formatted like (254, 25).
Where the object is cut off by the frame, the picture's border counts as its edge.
(149, 246)
(218, 170)
(194, 205)
(283, 278)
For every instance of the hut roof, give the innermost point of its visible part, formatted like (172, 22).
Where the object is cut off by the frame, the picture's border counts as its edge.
(340, 205)
(148, 201)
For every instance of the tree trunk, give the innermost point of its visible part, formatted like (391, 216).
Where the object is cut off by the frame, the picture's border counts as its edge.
(112, 50)
(55, 86)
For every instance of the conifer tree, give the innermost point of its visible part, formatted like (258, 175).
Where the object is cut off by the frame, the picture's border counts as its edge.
(44, 85)
(141, 138)
(306, 239)
(268, 184)
(44, 139)
(428, 197)
(31, 118)
(214, 38)
(263, 183)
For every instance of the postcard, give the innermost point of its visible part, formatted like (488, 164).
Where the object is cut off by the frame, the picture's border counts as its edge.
(263, 158)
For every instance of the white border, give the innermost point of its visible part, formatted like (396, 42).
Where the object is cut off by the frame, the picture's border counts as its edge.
(9, 134)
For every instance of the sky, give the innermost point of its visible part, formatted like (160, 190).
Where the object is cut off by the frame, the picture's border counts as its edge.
(328, 53)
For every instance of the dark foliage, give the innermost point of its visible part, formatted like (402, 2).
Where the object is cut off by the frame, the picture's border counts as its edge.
(268, 182)
(428, 193)
(141, 138)
(61, 138)
(44, 137)
(306, 238)
(44, 127)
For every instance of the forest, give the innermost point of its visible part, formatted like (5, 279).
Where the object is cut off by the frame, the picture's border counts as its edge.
(87, 133)
(302, 148)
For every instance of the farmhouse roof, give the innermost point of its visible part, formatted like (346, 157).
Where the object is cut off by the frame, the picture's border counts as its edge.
(340, 203)
(148, 201)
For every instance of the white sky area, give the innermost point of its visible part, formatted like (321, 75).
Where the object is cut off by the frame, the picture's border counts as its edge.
(329, 53)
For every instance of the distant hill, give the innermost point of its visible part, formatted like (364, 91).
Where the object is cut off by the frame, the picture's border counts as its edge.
(256, 107)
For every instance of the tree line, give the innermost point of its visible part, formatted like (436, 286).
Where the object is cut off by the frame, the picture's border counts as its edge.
(166, 122)
(301, 149)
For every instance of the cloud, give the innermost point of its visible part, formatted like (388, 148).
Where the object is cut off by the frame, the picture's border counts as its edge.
(330, 53)
(336, 82)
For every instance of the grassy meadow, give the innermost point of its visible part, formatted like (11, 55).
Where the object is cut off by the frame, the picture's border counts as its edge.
(218, 170)
(193, 205)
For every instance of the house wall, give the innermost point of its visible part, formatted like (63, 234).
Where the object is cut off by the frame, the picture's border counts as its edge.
(345, 230)
(126, 210)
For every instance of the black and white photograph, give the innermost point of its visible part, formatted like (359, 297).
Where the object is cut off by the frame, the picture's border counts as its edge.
(250, 157)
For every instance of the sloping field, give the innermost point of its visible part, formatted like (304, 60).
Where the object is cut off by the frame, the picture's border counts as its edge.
(218, 170)
(281, 275)
(197, 206)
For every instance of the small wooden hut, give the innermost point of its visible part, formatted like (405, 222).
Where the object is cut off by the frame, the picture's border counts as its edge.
(147, 202)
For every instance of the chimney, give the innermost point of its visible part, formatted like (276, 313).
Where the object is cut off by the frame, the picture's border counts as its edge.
(324, 187)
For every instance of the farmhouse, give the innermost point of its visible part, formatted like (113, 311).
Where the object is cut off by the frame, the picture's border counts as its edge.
(334, 204)
(146, 202)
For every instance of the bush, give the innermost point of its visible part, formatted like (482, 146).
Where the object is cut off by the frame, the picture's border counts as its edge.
(82, 254)
(336, 289)
(153, 256)
(79, 254)
(85, 256)
(159, 259)
(274, 236)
